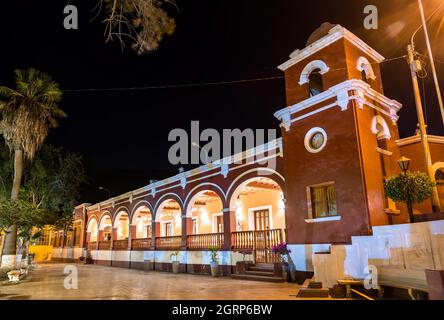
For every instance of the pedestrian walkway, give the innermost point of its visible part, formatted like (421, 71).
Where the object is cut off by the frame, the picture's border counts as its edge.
(99, 282)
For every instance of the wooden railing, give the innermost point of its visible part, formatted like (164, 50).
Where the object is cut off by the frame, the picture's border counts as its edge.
(105, 245)
(141, 244)
(260, 242)
(242, 240)
(92, 245)
(265, 239)
(169, 243)
(205, 241)
(120, 244)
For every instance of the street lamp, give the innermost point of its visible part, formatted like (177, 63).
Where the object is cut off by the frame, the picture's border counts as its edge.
(105, 189)
(195, 144)
(404, 163)
(429, 50)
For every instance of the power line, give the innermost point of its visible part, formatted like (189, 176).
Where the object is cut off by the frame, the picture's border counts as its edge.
(176, 85)
(201, 84)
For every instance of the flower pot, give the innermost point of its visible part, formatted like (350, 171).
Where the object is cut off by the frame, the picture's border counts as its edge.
(285, 270)
(214, 268)
(176, 265)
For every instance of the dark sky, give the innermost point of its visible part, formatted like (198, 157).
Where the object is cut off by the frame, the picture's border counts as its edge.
(123, 135)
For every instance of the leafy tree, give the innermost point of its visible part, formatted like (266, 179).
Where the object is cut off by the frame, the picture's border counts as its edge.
(27, 114)
(48, 195)
(409, 188)
(143, 22)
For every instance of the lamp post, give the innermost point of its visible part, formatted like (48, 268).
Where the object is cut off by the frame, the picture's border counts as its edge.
(105, 189)
(404, 164)
(429, 50)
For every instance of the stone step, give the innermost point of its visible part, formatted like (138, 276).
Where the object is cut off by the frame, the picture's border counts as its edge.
(262, 269)
(313, 293)
(257, 278)
(315, 285)
(260, 273)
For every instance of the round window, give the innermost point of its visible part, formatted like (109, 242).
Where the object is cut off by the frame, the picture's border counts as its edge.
(315, 140)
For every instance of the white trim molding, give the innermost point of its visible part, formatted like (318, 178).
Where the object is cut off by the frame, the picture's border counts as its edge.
(326, 219)
(364, 65)
(251, 216)
(344, 92)
(381, 134)
(307, 140)
(310, 67)
(273, 148)
(214, 221)
(417, 138)
(336, 33)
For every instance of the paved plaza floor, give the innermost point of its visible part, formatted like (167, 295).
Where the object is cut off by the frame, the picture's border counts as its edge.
(99, 282)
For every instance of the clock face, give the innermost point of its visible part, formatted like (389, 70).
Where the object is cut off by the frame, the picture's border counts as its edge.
(317, 140)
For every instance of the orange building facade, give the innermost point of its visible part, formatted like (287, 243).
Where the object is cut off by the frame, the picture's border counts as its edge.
(339, 142)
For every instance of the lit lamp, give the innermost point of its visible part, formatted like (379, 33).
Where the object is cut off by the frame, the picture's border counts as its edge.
(404, 163)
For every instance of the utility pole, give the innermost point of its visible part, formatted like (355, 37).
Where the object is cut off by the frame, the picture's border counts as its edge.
(432, 62)
(415, 66)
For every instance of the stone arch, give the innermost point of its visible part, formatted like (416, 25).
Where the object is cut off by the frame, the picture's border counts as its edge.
(380, 128)
(142, 203)
(200, 188)
(93, 228)
(119, 210)
(102, 217)
(165, 197)
(364, 65)
(310, 67)
(436, 166)
(249, 175)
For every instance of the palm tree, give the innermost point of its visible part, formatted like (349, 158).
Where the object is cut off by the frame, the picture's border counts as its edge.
(27, 114)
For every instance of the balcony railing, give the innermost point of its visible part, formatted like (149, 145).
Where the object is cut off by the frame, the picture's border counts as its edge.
(262, 239)
(141, 244)
(120, 244)
(242, 240)
(261, 242)
(92, 245)
(205, 241)
(169, 243)
(105, 245)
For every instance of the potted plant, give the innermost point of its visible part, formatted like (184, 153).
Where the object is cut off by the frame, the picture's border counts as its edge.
(283, 252)
(176, 262)
(241, 266)
(214, 264)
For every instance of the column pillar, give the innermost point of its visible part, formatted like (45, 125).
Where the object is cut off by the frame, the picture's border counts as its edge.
(155, 230)
(229, 226)
(187, 228)
(132, 235)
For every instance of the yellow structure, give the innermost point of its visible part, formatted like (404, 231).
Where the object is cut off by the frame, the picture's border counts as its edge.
(42, 253)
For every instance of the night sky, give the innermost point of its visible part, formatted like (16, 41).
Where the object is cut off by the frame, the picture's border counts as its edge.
(123, 134)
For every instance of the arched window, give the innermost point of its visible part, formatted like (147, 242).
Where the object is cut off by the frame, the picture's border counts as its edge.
(381, 130)
(315, 83)
(364, 66)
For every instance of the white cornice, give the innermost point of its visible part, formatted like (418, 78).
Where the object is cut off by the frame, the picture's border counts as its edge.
(416, 139)
(336, 33)
(364, 94)
(220, 164)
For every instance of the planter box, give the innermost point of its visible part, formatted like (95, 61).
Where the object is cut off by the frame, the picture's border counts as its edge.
(435, 284)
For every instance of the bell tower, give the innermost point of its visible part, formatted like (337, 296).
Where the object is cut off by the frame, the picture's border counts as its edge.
(338, 133)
